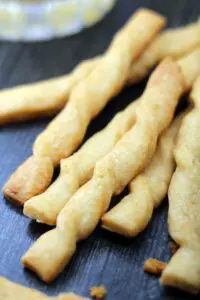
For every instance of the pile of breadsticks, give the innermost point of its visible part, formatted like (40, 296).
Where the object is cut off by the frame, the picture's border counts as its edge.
(145, 146)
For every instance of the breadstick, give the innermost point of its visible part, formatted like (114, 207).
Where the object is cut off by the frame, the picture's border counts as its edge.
(183, 271)
(45, 98)
(112, 173)
(13, 291)
(88, 98)
(46, 206)
(78, 168)
(41, 99)
(147, 190)
(173, 42)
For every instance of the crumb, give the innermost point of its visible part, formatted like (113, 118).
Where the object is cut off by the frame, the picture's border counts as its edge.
(154, 266)
(173, 247)
(98, 292)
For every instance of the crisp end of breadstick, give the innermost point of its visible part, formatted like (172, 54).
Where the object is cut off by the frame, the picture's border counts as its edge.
(131, 215)
(174, 275)
(154, 266)
(37, 258)
(31, 178)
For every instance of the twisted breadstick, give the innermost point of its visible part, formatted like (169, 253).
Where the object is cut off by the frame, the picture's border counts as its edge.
(47, 97)
(112, 173)
(13, 291)
(44, 98)
(89, 97)
(134, 212)
(78, 168)
(147, 190)
(183, 271)
(173, 42)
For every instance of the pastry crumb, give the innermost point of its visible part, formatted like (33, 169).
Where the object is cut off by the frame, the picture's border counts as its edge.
(98, 292)
(173, 247)
(154, 266)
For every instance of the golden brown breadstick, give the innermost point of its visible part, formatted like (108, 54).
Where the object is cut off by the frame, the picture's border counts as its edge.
(134, 212)
(78, 168)
(112, 173)
(47, 97)
(173, 42)
(89, 97)
(183, 271)
(147, 190)
(13, 291)
(44, 98)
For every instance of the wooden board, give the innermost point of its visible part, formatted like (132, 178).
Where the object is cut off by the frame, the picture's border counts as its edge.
(103, 258)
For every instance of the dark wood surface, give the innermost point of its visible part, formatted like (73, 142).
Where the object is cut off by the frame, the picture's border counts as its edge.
(103, 258)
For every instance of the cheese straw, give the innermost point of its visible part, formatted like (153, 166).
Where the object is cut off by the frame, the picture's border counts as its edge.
(78, 168)
(148, 189)
(45, 98)
(183, 270)
(65, 133)
(112, 173)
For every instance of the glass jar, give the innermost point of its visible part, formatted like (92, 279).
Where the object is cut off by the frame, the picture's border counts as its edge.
(32, 20)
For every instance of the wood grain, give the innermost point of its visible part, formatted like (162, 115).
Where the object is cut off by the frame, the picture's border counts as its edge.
(104, 258)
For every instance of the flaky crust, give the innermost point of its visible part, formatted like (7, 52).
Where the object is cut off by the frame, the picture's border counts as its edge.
(147, 190)
(173, 42)
(183, 271)
(89, 97)
(41, 99)
(13, 291)
(78, 168)
(112, 173)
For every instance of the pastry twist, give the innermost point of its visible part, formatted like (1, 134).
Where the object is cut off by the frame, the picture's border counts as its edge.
(147, 190)
(78, 168)
(88, 98)
(112, 173)
(183, 271)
